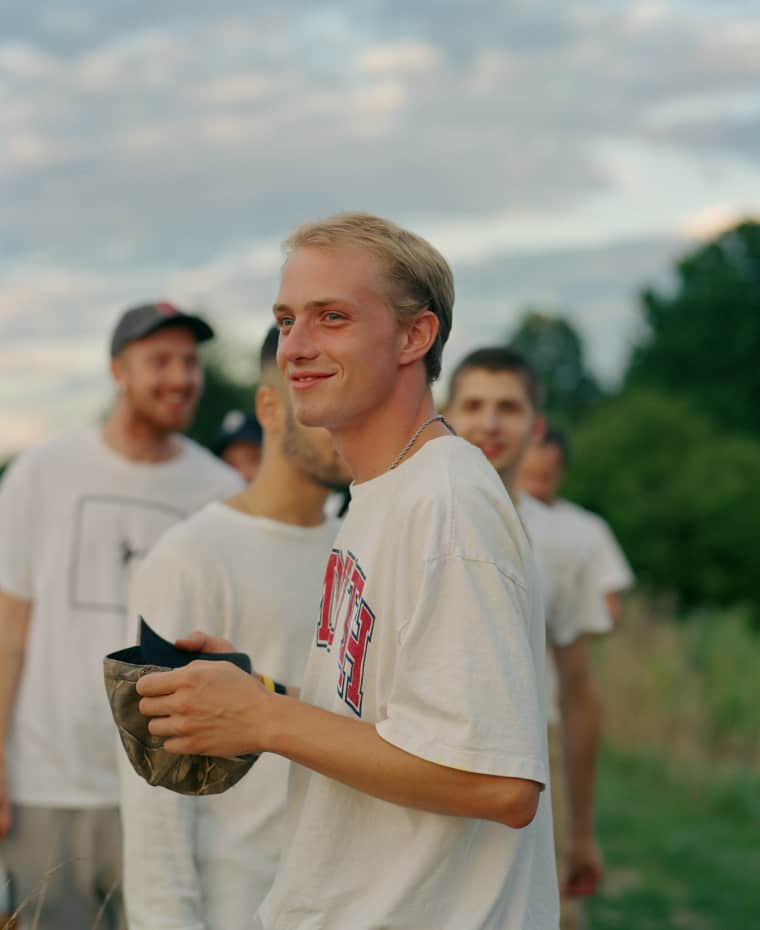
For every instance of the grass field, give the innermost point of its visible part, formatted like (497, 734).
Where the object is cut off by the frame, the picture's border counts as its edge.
(678, 804)
(683, 850)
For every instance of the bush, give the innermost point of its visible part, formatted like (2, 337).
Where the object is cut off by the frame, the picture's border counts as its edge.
(679, 494)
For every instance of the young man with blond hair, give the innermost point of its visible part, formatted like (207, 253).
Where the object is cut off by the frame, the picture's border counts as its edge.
(416, 802)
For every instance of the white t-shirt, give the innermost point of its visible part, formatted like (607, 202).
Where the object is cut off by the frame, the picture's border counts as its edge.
(75, 518)
(208, 862)
(432, 629)
(609, 564)
(571, 594)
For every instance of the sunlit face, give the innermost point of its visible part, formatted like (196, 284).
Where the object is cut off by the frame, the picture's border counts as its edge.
(492, 410)
(244, 457)
(339, 340)
(160, 378)
(541, 472)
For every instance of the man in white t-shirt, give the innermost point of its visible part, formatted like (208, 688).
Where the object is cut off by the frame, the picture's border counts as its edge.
(206, 863)
(416, 802)
(495, 402)
(77, 514)
(541, 474)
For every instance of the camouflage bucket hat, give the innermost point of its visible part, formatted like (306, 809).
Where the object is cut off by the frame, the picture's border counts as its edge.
(196, 775)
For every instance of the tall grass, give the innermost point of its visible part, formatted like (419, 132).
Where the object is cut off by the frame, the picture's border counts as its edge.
(689, 690)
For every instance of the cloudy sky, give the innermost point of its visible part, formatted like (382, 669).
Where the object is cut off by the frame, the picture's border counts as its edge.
(559, 154)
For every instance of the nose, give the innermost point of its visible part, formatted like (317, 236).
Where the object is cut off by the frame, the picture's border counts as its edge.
(295, 344)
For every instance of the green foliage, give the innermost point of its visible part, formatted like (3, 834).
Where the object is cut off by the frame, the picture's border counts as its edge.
(677, 492)
(704, 338)
(681, 847)
(556, 349)
(222, 392)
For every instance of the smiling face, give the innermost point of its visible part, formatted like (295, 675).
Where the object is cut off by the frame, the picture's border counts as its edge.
(340, 344)
(160, 378)
(492, 410)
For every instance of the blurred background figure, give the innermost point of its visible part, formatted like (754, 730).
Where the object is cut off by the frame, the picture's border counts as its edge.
(541, 474)
(238, 443)
(78, 513)
(495, 400)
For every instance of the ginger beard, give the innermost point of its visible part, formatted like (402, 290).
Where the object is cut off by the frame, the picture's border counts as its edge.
(160, 379)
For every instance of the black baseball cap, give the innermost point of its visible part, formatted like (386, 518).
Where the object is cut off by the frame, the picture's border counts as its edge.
(138, 322)
(237, 426)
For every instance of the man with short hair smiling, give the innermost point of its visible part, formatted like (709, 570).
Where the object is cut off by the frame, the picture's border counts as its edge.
(416, 802)
(495, 401)
(78, 513)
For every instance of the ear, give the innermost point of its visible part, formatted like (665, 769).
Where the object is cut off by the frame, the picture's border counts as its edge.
(419, 334)
(117, 371)
(269, 408)
(539, 428)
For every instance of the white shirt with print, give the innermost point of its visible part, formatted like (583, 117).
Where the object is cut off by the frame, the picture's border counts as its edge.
(75, 520)
(431, 630)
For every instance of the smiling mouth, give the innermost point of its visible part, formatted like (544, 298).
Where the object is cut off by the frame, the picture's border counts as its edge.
(307, 379)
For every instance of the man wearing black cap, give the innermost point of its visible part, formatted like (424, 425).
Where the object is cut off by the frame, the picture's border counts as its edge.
(78, 514)
(238, 443)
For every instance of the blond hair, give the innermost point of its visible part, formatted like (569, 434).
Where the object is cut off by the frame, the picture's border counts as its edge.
(419, 276)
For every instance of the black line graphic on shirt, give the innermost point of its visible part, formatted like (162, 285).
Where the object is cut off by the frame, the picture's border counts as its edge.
(111, 535)
(343, 599)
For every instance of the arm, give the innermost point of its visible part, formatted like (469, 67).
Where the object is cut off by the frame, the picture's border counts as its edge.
(162, 885)
(14, 625)
(581, 722)
(215, 709)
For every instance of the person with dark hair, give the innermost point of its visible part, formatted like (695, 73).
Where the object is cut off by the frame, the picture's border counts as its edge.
(494, 401)
(541, 473)
(419, 734)
(238, 443)
(78, 514)
(207, 863)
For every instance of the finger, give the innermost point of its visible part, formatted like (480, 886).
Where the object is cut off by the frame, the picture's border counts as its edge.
(156, 684)
(193, 642)
(164, 726)
(155, 707)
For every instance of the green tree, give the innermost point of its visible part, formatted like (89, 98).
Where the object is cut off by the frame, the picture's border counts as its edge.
(678, 493)
(556, 349)
(223, 392)
(704, 337)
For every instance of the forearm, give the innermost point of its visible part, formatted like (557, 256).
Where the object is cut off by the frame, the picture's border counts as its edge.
(14, 621)
(581, 737)
(352, 752)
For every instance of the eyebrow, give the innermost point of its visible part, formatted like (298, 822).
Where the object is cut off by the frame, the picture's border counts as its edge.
(314, 304)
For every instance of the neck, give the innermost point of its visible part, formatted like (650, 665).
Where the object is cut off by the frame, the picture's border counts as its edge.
(136, 439)
(282, 493)
(372, 444)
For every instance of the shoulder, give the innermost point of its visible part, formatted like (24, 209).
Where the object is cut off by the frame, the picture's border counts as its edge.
(200, 459)
(50, 454)
(463, 498)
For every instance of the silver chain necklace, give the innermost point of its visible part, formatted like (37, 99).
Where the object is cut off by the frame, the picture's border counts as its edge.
(400, 457)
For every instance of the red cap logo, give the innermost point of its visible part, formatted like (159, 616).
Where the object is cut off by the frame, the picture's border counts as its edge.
(167, 309)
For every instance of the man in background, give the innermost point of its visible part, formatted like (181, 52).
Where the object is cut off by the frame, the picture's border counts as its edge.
(238, 443)
(541, 474)
(495, 402)
(207, 863)
(78, 513)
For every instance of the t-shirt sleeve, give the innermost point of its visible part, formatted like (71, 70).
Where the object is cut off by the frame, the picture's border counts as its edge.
(613, 572)
(465, 692)
(577, 608)
(18, 529)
